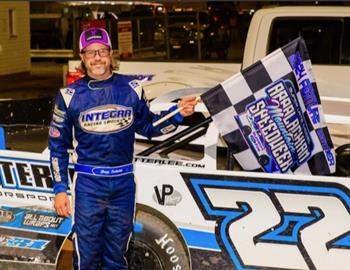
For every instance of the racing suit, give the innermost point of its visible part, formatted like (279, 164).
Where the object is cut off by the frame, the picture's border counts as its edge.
(98, 119)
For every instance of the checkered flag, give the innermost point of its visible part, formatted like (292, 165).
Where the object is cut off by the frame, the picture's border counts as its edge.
(270, 115)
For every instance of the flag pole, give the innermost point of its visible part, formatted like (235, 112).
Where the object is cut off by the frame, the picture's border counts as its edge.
(169, 115)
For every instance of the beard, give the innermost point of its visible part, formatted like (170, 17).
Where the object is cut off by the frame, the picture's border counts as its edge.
(98, 68)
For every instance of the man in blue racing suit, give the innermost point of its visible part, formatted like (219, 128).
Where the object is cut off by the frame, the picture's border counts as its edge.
(98, 116)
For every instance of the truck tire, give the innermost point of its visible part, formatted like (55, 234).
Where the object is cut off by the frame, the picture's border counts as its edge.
(156, 244)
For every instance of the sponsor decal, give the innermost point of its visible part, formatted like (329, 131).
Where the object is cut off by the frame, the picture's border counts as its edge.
(167, 129)
(305, 222)
(276, 130)
(144, 77)
(166, 195)
(69, 91)
(39, 220)
(56, 169)
(106, 119)
(93, 34)
(56, 124)
(169, 162)
(23, 243)
(29, 175)
(6, 216)
(59, 112)
(54, 132)
(26, 196)
(166, 243)
(329, 153)
(313, 109)
(34, 219)
(135, 84)
(57, 118)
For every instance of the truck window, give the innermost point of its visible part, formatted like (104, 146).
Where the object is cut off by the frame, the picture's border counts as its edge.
(322, 36)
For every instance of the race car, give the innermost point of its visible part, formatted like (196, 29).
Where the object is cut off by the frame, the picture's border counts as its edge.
(195, 208)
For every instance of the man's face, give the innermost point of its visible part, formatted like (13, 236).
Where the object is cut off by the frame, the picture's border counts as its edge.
(97, 59)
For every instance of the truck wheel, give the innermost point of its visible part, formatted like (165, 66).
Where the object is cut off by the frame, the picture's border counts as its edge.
(156, 245)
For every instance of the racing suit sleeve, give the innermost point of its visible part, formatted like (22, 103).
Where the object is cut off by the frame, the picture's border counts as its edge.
(145, 119)
(60, 140)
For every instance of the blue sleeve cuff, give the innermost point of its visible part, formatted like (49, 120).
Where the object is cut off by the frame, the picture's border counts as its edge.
(57, 188)
(178, 117)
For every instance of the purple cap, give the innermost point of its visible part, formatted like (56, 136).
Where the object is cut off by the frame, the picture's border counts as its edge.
(94, 35)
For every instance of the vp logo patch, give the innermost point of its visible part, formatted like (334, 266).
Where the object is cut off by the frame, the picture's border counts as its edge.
(277, 224)
(166, 195)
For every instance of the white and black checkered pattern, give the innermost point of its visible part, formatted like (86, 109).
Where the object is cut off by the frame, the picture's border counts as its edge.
(230, 98)
(120, 123)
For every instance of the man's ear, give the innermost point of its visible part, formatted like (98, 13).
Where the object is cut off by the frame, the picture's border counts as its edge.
(81, 56)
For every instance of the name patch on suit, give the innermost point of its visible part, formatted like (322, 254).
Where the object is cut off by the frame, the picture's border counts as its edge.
(106, 119)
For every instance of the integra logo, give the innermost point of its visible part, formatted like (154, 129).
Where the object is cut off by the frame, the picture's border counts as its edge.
(106, 119)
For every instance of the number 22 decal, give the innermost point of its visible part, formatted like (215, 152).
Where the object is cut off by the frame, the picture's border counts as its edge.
(274, 224)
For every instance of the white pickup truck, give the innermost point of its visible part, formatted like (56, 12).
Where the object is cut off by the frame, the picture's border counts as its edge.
(325, 29)
(193, 211)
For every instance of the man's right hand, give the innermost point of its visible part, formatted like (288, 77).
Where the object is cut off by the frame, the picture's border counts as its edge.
(62, 204)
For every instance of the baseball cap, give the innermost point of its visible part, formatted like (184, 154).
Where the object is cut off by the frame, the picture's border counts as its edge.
(94, 35)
